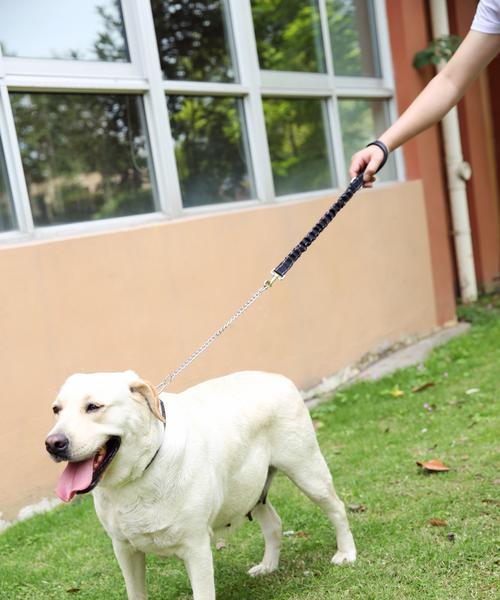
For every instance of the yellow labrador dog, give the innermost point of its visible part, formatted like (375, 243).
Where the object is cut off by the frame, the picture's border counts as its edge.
(170, 472)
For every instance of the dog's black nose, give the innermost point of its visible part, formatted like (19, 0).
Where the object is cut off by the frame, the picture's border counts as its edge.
(57, 444)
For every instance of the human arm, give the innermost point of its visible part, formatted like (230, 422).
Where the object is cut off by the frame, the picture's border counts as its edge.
(438, 97)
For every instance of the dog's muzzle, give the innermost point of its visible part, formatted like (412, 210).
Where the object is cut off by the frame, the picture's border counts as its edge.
(57, 446)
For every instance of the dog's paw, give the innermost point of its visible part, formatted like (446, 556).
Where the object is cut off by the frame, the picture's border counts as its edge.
(261, 569)
(344, 557)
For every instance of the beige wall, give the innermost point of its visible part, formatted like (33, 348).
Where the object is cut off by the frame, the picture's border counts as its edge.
(144, 298)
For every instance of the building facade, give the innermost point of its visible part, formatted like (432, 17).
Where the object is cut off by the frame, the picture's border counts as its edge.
(159, 158)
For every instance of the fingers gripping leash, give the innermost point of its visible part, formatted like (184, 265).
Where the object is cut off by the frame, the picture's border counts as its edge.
(276, 274)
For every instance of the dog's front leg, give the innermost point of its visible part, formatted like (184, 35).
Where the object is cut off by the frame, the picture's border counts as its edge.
(133, 566)
(197, 556)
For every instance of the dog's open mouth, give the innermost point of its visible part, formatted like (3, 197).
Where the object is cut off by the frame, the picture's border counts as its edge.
(82, 477)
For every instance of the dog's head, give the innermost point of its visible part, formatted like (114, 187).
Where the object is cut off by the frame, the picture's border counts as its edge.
(99, 419)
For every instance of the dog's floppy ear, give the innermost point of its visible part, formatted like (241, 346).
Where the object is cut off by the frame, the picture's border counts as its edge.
(148, 392)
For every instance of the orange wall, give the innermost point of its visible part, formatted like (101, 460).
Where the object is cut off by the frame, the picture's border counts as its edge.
(423, 154)
(477, 131)
(410, 32)
(144, 298)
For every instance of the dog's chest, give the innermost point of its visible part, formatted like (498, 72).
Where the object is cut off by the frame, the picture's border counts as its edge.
(163, 542)
(151, 528)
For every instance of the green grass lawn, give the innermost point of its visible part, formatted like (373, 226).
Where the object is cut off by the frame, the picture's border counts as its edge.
(371, 434)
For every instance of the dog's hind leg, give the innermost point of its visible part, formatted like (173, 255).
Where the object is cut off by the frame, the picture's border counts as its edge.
(312, 476)
(270, 524)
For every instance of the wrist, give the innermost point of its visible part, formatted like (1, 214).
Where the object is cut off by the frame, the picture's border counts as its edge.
(382, 146)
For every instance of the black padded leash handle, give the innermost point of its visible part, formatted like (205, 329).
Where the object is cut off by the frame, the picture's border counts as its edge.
(282, 269)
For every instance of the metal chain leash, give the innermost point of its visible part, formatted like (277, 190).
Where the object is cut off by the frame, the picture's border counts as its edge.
(277, 273)
(169, 378)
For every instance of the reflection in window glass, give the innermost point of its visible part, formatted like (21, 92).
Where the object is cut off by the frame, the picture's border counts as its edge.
(85, 156)
(353, 38)
(7, 218)
(288, 35)
(362, 121)
(298, 143)
(193, 39)
(211, 149)
(66, 29)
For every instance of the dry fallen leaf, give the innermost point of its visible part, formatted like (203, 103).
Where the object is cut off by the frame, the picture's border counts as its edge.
(356, 507)
(437, 522)
(396, 392)
(302, 534)
(292, 533)
(424, 386)
(490, 501)
(433, 465)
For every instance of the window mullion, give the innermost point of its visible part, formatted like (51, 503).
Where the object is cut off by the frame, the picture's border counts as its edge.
(204, 88)
(14, 164)
(248, 68)
(384, 46)
(332, 104)
(142, 42)
(336, 137)
(325, 31)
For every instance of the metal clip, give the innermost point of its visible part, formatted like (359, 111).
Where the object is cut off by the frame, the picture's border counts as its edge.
(274, 277)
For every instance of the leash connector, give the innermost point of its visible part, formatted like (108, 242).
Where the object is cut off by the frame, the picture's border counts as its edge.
(274, 277)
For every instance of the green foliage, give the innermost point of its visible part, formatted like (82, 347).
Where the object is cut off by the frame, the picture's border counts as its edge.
(192, 40)
(210, 149)
(101, 35)
(483, 312)
(288, 35)
(438, 50)
(82, 153)
(371, 441)
(7, 216)
(353, 38)
(297, 144)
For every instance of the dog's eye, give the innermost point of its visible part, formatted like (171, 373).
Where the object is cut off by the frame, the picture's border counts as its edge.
(56, 410)
(92, 407)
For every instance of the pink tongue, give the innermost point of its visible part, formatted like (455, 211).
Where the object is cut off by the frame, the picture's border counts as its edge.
(76, 476)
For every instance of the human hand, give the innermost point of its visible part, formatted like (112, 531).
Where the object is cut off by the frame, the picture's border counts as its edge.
(369, 159)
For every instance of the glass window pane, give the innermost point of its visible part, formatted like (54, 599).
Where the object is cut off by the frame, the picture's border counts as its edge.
(288, 35)
(7, 217)
(193, 40)
(298, 143)
(211, 149)
(362, 121)
(85, 156)
(67, 29)
(354, 38)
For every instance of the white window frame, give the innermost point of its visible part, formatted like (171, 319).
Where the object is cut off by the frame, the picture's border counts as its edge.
(143, 76)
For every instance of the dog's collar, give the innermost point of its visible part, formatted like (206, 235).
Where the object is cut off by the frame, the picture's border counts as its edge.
(162, 406)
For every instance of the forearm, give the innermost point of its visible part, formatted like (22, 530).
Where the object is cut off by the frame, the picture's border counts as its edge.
(430, 106)
(445, 89)
(440, 95)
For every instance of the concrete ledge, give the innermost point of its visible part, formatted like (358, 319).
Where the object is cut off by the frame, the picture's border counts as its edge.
(388, 361)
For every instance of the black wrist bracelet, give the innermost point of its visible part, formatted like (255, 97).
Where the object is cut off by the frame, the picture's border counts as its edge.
(384, 149)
